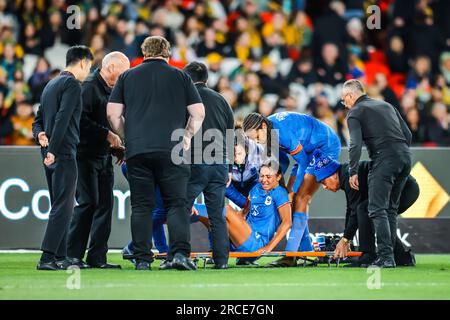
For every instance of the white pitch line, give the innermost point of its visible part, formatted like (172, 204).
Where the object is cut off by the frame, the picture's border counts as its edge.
(234, 285)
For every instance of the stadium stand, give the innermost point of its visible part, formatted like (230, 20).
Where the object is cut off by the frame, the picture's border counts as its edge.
(264, 56)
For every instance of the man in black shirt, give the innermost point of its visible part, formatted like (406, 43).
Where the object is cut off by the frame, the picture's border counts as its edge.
(357, 217)
(148, 106)
(56, 129)
(210, 164)
(95, 182)
(387, 139)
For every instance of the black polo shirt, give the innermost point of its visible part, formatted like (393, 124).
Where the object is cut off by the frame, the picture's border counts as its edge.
(155, 96)
(94, 125)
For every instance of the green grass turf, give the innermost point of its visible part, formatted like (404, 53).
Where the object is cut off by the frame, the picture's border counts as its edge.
(430, 279)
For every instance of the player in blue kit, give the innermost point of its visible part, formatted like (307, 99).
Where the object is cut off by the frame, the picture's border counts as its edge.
(266, 218)
(248, 158)
(302, 137)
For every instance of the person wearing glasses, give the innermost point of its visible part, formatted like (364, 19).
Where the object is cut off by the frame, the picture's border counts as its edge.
(387, 138)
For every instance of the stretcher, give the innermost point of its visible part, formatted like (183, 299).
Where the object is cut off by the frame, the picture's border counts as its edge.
(303, 256)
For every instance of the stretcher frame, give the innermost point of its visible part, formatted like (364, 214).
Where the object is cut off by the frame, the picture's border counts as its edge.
(305, 256)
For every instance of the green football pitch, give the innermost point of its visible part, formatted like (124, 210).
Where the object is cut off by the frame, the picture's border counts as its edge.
(430, 279)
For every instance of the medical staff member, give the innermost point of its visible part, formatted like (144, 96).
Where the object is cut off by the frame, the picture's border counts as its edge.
(336, 177)
(387, 137)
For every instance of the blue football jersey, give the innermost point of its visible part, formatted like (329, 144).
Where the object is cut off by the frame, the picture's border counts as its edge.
(263, 217)
(300, 135)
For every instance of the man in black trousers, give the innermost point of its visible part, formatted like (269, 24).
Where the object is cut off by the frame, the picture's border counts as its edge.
(210, 171)
(95, 182)
(336, 177)
(387, 138)
(148, 106)
(56, 129)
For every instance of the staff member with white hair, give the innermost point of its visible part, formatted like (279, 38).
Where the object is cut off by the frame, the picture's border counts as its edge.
(387, 138)
(95, 182)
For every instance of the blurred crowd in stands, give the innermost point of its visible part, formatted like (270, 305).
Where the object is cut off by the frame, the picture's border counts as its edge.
(264, 56)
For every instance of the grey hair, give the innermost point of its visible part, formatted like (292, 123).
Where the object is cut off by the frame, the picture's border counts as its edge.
(112, 57)
(354, 86)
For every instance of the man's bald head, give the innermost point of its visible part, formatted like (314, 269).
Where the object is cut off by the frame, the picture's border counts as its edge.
(113, 65)
(115, 57)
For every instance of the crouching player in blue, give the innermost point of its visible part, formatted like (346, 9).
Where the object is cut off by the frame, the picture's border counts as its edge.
(248, 158)
(301, 136)
(266, 218)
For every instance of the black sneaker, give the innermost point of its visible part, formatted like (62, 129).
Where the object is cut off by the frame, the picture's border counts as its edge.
(364, 261)
(47, 266)
(246, 262)
(181, 262)
(383, 263)
(165, 265)
(104, 265)
(142, 265)
(62, 264)
(75, 262)
(405, 259)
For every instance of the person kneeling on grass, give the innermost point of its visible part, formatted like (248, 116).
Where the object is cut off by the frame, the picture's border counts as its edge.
(266, 218)
(335, 177)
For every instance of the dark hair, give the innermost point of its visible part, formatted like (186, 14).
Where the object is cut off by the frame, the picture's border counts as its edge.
(197, 71)
(27, 102)
(272, 163)
(55, 72)
(255, 121)
(78, 53)
(45, 60)
(240, 139)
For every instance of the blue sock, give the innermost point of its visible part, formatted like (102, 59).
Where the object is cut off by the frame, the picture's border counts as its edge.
(299, 224)
(305, 244)
(159, 237)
